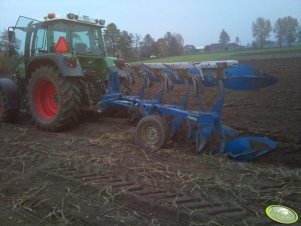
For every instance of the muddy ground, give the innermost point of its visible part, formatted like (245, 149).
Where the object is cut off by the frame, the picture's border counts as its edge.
(96, 174)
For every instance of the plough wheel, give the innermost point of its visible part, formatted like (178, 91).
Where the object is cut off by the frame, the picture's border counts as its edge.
(152, 132)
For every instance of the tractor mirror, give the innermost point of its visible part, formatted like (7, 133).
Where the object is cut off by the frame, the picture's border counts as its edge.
(11, 36)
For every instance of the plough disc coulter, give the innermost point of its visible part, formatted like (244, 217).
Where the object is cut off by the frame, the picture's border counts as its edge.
(163, 115)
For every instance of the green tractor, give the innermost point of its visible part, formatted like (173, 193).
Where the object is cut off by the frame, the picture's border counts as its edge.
(60, 67)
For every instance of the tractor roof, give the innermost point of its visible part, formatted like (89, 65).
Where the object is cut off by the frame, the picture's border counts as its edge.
(75, 19)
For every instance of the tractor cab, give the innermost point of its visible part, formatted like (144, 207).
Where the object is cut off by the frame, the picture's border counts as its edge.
(79, 37)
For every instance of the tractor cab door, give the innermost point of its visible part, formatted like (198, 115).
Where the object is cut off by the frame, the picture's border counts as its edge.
(39, 41)
(21, 43)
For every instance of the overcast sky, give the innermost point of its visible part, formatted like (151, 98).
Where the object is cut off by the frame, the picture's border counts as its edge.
(198, 21)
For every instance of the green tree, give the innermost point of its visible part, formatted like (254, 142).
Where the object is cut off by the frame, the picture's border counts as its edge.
(3, 41)
(112, 36)
(148, 46)
(224, 37)
(119, 43)
(136, 44)
(137, 39)
(286, 30)
(261, 29)
(292, 29)
(280, 29)
(124, 45)
(299, 34)
(7, 61)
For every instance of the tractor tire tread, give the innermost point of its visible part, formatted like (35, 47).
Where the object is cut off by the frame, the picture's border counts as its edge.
(8, 115)
(70, 100)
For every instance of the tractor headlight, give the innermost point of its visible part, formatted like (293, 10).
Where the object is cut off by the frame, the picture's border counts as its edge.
(72, 16)
(101, 22)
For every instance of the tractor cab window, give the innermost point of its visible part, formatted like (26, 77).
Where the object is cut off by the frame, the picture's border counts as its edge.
(80, 42)
(38, 43)
(59, 29)
(82, 39)
(85, 40)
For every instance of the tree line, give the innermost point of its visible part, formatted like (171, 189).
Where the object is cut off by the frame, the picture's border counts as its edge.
(133, 46)
(129, 46)
(286, 30)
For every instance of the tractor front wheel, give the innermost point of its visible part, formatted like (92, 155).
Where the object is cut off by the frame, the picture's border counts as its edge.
(6, 114)
(152, 132)
(54, 101)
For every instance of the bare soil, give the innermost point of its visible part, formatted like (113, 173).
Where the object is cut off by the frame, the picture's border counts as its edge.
(96, 174)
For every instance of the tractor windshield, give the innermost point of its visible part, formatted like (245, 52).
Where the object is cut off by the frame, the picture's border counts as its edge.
(83, 39)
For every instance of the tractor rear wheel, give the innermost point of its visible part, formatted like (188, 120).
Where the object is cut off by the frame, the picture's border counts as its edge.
(6, 114)
(54, 101)
(152, 132)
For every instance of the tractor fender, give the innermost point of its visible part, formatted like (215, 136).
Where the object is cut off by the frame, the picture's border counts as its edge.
(11, 92)
(59, 60)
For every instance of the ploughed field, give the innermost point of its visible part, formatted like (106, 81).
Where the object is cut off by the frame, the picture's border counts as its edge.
(96, 174)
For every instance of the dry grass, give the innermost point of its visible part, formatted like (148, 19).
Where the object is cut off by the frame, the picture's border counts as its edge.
(245, 182)
(112, 140)
(58, 214)
(250, 181)
(26, 199)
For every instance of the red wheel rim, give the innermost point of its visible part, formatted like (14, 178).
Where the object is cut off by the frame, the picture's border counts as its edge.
(45, 99)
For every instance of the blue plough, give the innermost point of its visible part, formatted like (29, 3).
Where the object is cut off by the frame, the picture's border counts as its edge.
(162, 117)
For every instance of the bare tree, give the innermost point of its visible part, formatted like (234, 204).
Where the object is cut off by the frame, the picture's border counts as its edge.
(162, 47)
(224, 37)
(180, 41)
(261, 30)
(175, 43)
